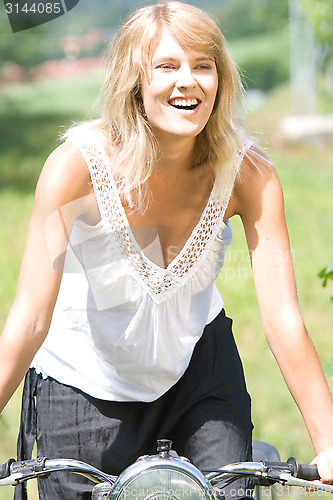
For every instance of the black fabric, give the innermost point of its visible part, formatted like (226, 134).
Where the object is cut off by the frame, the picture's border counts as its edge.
(206, 414)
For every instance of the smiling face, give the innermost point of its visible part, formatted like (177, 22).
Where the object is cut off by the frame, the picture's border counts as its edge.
(180, 91)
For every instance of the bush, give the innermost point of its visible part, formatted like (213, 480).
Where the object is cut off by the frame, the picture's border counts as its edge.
(264, 60)
(264, 73)
(239, 18)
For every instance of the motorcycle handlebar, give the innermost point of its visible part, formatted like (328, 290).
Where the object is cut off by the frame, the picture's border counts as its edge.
(304, 471)
(5, 468)
(13, 472)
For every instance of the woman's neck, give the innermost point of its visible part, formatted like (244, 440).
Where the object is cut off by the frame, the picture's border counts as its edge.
(176, 156)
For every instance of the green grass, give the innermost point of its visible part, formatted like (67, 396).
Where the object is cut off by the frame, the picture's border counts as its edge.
(15, 208)
(306, 176)
(32, 115)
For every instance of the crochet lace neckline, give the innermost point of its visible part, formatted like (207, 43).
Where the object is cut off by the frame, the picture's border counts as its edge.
(159, 282)
(137, 248)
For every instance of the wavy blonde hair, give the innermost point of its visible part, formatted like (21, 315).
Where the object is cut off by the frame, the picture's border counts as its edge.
(122, 113)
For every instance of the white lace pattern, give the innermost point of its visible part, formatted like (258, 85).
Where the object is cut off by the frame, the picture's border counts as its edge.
(160, 283)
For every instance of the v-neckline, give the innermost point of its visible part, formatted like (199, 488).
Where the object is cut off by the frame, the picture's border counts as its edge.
(137, 248)
(158, 282)
(128, 229)
(201, 252)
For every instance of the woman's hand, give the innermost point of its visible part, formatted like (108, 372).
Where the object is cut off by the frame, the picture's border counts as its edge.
(324, 462)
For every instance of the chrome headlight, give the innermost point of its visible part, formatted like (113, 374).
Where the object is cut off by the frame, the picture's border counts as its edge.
(164, 476)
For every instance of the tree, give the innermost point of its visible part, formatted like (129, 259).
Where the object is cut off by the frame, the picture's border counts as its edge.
(25, 48)
(239, 18)
(320, 14)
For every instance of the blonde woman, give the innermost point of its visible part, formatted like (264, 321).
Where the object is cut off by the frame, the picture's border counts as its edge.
(117, 323)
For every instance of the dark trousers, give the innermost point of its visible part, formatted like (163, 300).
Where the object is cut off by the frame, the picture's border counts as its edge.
(206, 414)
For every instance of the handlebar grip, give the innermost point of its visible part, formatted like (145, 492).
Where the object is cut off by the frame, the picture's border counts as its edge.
(308, 472)
(304, 471)
(5, 468)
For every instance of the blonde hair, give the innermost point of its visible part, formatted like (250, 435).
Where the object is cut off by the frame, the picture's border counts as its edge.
(122, 114)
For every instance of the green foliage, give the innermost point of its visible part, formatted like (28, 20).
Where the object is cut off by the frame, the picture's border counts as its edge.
(36, 45)
(256, 26)
(25, 48)
(320, 14)
(40, 118)
(264, 72)
(261, 64)
(239, 18)
(326, 273)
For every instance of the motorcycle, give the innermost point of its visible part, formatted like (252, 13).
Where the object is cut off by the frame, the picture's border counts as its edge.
(168, 476)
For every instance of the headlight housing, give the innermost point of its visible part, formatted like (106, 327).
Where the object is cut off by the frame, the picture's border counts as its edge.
(164, 476)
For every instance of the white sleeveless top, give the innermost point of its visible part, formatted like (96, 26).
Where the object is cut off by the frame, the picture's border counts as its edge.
(123, 328)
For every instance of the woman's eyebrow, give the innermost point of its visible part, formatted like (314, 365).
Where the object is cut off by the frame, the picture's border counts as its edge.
(205, 58)
(170, 58)
(163, 58)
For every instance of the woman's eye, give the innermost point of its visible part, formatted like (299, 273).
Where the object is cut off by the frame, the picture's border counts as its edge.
(173, 67)
(165, 66)
(204, 66)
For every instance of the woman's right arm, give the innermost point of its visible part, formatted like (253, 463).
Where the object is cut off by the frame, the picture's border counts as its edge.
(61, 196)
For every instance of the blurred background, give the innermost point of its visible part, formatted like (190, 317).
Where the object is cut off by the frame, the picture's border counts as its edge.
(50, 77)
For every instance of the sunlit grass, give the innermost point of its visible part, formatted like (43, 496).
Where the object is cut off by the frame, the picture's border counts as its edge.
(306, 175)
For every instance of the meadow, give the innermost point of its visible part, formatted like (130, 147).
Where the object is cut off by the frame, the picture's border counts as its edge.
(33, 114)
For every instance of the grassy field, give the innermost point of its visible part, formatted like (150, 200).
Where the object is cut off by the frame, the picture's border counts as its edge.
(31, 117)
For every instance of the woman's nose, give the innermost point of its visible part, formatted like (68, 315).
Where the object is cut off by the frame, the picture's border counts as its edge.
(185, 77)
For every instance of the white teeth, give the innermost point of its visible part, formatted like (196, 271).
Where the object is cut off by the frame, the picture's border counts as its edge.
(184, 102)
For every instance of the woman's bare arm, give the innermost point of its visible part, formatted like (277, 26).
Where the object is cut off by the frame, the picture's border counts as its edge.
(259, 202)
(64, 181)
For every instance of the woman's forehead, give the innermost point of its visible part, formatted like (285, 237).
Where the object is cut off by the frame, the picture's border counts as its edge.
(169, 46)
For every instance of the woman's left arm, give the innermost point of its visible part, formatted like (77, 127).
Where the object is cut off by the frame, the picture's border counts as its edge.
(259, 202)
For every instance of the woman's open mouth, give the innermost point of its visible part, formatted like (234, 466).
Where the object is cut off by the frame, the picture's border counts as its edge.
(187, 104)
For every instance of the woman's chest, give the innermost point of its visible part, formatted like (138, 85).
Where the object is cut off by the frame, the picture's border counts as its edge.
(173, 214)
(179, 214)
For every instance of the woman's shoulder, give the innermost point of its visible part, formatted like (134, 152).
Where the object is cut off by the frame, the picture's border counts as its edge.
(255, 160)
(91, 138)
(65, 171)
(86, 133)
(66, 161)
(256, 167)
(256, 173)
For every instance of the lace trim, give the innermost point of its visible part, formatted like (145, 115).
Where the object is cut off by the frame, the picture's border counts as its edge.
(158, 282)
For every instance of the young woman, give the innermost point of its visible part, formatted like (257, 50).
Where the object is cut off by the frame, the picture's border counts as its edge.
(117, 314)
